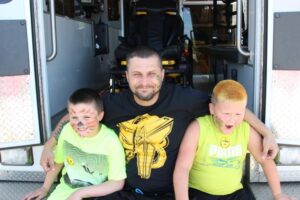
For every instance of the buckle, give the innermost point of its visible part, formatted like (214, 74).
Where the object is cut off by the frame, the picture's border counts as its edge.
(138, 191)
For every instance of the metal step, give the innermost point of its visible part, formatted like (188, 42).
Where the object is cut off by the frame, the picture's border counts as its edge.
(16, 190)
(12, 190)
(263, 192)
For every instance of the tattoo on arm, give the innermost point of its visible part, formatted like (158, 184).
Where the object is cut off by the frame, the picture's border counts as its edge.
(59, 127)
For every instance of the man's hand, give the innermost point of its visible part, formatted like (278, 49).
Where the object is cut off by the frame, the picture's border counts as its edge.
(270, 147)
(269, 143)
(47, 157)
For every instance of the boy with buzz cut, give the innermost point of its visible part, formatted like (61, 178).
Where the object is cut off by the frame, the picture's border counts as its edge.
(90, 153)
(210, 161)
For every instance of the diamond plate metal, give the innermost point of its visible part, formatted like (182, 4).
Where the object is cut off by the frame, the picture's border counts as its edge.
(13, 175)
(262, 191)
(17, 190)
(14, 190)
(284, 121)
(16, 113)
(284, 104)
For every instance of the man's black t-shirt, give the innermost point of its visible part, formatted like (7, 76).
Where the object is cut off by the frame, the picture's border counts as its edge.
(151, 135)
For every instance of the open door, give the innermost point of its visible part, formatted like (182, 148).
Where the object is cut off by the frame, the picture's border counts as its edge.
(20, 111)
(281, 90)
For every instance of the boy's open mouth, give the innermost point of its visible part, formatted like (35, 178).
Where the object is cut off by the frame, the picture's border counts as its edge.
(228, 126)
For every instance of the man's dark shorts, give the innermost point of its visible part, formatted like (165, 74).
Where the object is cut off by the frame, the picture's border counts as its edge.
(133, 195)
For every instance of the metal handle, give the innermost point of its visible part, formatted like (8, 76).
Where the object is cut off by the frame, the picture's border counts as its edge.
(239, 30)
(290, 144)
(53, 32)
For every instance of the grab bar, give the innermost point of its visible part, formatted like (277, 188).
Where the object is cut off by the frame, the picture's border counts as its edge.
(239, 30)
(53, 32)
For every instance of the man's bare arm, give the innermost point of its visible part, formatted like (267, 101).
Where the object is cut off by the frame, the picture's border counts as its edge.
(270, 147)
(47, 158)
(59, 126)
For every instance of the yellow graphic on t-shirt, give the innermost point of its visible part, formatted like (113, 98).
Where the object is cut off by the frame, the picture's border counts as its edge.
(225, 142)
(70, 161)
(230, 157)
(146, 137)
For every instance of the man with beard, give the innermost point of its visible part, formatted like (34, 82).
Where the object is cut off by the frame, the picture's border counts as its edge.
(151, 119)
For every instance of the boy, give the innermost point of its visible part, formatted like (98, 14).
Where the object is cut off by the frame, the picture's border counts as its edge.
(91, 154)
(211, 156)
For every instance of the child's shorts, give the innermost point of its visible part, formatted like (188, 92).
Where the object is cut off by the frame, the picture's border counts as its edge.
(241, 194)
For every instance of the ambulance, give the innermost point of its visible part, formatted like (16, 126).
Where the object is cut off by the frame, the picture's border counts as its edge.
(50, 48)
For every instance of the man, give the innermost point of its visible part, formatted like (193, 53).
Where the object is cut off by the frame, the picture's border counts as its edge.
(151, 120)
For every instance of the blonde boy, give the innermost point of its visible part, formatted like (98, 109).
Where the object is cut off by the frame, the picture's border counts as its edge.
(211, 156)
(90, 154)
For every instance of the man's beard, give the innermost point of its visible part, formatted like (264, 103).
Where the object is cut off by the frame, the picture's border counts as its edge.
(150, 96)
(147, 97)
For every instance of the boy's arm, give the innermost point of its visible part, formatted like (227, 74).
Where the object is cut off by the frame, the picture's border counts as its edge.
(185, 160)
(47, 159)
(270, 147)
(42, 192)
(51, 176)
(102, 189)
(268, 165)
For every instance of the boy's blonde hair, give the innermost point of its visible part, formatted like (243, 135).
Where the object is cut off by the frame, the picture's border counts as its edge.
(229, 90)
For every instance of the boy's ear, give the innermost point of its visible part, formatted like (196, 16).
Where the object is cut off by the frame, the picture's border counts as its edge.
(100, 116)
(126, 74)
(163, 75)
(211, 108)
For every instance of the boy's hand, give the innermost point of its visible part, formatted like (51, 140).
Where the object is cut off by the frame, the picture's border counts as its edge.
(37, 194)
(47, 159)
(283, 196)
(270, 147)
